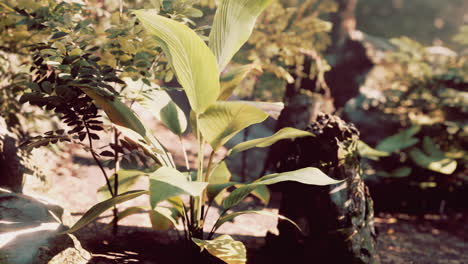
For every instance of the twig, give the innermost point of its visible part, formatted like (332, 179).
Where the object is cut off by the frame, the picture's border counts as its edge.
(97, 160)
(115, 224)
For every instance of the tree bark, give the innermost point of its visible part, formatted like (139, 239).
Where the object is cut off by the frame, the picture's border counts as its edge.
(11, 170)
(344, 22)
(347, 55)
(336, 221)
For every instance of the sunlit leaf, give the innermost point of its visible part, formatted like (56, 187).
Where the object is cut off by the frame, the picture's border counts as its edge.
(127, 178)
(220, 174)
(232, 26)
(231, 78)
(168, 182)
(285, 133)
(273, 109)
(263, 193)
(311, 176)
(118, 112)
(366, 151)
(127, 120)
(163, 218)
(219, 181)
(223, 120)
(161, 105)
(435, 163)
(101, 207)
(174, 118)
(193, 62)
(230, 217)
(225, 248)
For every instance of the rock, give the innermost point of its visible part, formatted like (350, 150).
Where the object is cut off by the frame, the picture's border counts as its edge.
(30, 233)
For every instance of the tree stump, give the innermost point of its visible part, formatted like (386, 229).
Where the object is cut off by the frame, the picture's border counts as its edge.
(11, 170)
(337, 220)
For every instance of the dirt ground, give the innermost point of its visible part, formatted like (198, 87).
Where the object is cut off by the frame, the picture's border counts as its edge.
(74, 179)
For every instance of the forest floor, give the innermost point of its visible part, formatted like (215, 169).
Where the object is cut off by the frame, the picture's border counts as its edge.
(74, 179)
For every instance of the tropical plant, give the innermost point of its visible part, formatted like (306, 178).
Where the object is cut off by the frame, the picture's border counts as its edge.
(215, 121)
(286, 45)
(49, 49)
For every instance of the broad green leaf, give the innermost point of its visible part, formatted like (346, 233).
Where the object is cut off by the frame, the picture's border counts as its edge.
(231, 78)
(238, 195)
(119, 113)
(163, 218)
(263, 193)
(218, 181)
(399, 141)
(220, 174)
(128, 123)
(174, 118)
(126, 120)
(435, 163)
(311, 176)
(177, 203)
(366, 151)
(285, 133)
(127, 178)
(223, 120)
(101, 207)
(168, 182)
(232, 26)
(160, 104)
(273, 109)
(225, 248)
(397, 173)
(218, 199)
(215, 189)
(193, 62)
(230, 217)
(216, 192)
(431, 148)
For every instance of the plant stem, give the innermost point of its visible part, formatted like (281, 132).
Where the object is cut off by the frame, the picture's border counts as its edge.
(116, 161)
(115, 224)
(207, 179)
(198, 200)
(109, 187)
(184, 151)
(186, 222)
(209, 167)
(244, 157)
